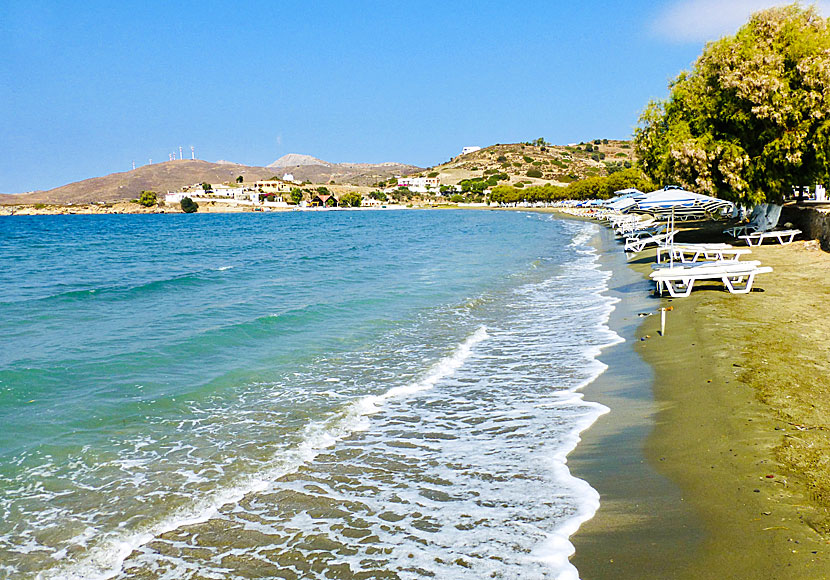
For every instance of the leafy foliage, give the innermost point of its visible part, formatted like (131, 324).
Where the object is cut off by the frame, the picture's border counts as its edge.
(351, 199)
(188, 205)
(148, 198)
(589, 188)
(752, 117)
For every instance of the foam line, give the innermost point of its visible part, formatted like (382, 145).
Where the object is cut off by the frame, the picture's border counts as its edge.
(106, 560)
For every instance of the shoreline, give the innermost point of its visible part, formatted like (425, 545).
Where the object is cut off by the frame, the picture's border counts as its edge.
(697, 472)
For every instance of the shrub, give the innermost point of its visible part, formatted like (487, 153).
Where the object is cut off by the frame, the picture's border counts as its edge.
(148, 198)
(516, 164)
(432, 174)
(501, 158)
(188, 205)
(536, 163)
(457, 198)
(534, 173)
(527, 159)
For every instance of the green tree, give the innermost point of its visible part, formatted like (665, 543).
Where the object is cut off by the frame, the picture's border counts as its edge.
(378, 195)
(148, 198)
(351, 199)
(752, 117)
(188, 205)
(296, 195)
(207, 187)
(240, 179)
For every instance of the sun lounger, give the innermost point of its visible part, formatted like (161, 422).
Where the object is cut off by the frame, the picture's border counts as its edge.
(736, 276)
(645, 232)
(637, 244)
(764, 217)
(685, 253)
(783, 237)
(635, 225)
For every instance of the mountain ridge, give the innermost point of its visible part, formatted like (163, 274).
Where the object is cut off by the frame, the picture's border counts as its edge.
(173, 175)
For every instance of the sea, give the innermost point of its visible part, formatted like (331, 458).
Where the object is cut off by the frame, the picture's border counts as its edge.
(298, 395)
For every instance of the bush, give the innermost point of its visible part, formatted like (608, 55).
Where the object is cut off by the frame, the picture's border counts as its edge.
(432, 174)
(188, 205)
(527, 159)
(534, 173)
(148, 198)
(457, 198)
(501, 158)
(352, 199)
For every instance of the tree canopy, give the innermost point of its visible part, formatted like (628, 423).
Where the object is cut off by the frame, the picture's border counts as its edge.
(752, 117)
(188, 205)
(148, 198)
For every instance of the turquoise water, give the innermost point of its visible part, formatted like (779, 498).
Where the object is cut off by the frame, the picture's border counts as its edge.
(342, 394)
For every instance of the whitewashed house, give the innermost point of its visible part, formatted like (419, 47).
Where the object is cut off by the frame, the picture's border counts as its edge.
(471, 149)
(419, 184)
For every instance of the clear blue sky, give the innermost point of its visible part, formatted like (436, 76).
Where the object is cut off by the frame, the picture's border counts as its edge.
(88, 88)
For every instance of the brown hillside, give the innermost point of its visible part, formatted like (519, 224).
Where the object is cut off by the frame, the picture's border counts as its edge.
(172, 175)
(558, 164)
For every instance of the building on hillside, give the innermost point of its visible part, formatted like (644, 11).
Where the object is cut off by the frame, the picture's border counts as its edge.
(289, 177)
(270, 186)
(226, 191)
(177, 196)
(419, 184)
(370, 202)
(470, 149)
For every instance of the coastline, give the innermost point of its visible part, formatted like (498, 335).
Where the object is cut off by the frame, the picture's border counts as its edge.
(702, 465)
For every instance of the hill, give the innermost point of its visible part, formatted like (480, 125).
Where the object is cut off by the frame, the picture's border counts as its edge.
(557, 164)
(173, 175)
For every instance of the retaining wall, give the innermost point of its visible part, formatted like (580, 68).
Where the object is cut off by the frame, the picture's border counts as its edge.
(812, 221)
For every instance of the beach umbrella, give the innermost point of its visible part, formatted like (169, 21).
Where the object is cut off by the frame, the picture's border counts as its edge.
(684, 204)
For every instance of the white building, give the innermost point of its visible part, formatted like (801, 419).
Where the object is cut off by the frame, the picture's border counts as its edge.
(269, 186)
(289, 177)
(419, 184)
(226, 191)
(177, 196)
(471, 149)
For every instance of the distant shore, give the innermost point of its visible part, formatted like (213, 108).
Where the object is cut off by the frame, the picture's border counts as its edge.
(713, 460)
(128, 207)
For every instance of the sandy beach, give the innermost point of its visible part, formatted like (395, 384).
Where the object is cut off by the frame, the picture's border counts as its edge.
(713, 462)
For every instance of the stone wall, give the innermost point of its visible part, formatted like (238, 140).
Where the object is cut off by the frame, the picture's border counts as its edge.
(814, 223)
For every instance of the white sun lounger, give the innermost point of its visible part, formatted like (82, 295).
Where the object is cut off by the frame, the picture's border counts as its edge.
(637, 244)
(695, 252)
(783, 237)
(636, 225)
(736, 276)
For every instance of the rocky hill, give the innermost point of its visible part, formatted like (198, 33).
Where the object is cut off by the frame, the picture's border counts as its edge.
(537, 163)
(173, 175)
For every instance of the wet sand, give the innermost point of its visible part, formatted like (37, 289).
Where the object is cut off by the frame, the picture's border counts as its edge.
(715, 459)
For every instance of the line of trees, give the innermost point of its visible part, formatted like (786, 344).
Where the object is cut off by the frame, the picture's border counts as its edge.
(589, 188)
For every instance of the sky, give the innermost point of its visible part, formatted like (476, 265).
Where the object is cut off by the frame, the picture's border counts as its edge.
(88, 89)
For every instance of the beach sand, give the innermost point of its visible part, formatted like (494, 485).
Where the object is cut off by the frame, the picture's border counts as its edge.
(715, 459)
